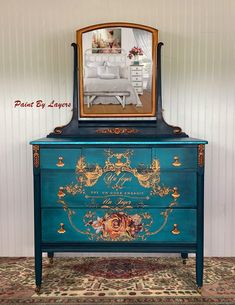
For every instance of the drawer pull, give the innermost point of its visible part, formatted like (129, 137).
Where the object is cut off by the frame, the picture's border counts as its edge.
(60, 162)
(60, 193)
(61, 229)
(176, 162)
(175, 193)
(175, 230)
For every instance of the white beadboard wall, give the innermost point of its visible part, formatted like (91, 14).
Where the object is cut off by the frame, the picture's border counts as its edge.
(198, 88)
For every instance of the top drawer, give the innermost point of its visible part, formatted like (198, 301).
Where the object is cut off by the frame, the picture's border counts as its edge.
(59, 158)
(169, 158)
(176, 158)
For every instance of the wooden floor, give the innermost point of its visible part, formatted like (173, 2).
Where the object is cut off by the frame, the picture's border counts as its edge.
(117, 108)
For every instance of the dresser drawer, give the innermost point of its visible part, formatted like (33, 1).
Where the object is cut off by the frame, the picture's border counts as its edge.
(151, 225)
(59, 158)
(123, 190)
(133, 73)
(136, 68)
(176, 158)
(137, 84)
(170, 158)
(104, 173)
(118, 156)
(136, 78)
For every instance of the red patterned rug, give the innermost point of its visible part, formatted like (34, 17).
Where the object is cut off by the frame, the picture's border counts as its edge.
(140, 280)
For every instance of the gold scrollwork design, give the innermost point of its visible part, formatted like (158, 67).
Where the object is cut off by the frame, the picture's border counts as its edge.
(117, 131)
(117, 224)
(148, 177)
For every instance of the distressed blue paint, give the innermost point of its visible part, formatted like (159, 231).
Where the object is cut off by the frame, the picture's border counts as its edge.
(37, 230)
(53, 180)
(137, 157)
(49, 158)
(186, 220)
(133, 247)
(187, 157)
(188, 213)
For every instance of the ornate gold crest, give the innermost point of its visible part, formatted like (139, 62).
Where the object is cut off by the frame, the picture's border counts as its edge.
(117, 131)
(118, 163)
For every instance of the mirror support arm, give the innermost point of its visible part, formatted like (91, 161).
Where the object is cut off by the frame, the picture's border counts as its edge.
(75, 82)
(162, 128)
(72, 127)
(159, 82)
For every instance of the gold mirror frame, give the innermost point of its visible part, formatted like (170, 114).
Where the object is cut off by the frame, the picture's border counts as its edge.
(80, 67)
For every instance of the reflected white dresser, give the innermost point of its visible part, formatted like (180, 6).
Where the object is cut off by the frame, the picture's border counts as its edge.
(136, 73)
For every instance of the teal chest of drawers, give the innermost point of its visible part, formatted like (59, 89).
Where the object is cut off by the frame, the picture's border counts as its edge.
(109, 195)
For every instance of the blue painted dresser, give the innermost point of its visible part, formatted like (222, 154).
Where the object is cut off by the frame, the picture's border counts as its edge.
(117, 195)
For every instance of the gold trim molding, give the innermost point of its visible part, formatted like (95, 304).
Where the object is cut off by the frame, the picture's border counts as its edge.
(201, 155)
(36, 159)
(117, 131)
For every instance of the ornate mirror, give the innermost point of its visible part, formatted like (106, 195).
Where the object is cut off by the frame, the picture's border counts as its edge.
(117, 70)
(117, 84)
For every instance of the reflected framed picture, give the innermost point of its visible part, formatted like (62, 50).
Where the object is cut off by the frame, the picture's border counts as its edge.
(117, 70)
(106, 41)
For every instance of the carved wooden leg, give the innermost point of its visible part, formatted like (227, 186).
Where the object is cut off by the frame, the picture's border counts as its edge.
(184, 257)
(37, 233)
(38, 271)
(200, 228)
(199, 269)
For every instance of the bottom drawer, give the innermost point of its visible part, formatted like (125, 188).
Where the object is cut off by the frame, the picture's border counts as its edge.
(147, 225)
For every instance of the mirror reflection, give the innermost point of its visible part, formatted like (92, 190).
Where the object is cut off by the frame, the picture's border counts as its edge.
(117, 71)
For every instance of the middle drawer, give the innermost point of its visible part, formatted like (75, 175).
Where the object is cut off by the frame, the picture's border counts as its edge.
(123, 191)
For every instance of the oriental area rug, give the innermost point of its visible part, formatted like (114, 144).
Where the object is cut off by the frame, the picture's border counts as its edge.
(123, 280)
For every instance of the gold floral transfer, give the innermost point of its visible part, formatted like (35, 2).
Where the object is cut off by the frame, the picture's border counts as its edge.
(117, 224)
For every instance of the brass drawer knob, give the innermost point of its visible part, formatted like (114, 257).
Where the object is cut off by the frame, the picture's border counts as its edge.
(175, 230)
(60, 162)
(61, 229)
(176, 162)
(175, 194)
(60, 193)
